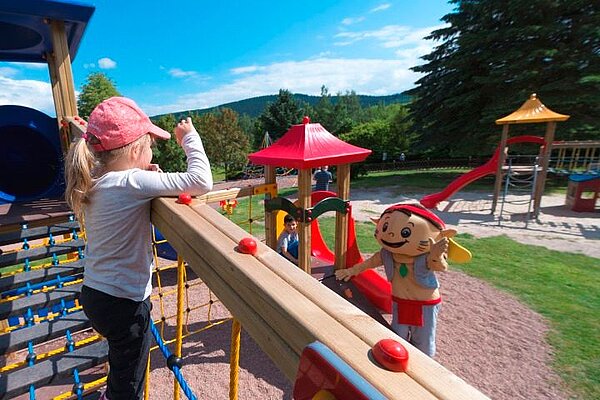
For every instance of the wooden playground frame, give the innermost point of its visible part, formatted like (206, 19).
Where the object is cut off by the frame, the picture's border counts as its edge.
(534, 111)
(284, 309)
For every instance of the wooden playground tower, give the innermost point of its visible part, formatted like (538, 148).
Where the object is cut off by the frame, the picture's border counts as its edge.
(532, 111)
(306, 146)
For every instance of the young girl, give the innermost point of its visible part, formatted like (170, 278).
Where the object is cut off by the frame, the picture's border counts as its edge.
(110, 184)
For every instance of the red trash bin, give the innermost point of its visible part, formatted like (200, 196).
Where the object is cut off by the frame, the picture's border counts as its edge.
(583, 192)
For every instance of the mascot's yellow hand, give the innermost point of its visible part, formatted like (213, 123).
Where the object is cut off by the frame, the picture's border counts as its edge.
(344, 274)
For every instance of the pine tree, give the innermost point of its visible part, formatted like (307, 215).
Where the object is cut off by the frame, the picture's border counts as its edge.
(97, 88)
(324, 113)
(347, 112)
(280, 115)
(492, 56)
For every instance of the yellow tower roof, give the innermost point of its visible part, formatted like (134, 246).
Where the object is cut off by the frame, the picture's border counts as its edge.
(530, 112)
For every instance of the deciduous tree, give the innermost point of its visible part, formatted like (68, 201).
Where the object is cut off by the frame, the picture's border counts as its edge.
(167, 153)
(97, 88)
(225, 143)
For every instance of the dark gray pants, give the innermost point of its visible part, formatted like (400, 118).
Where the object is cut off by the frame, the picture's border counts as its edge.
(126, 325)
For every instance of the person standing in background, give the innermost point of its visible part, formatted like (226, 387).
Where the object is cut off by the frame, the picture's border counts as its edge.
(323, 178)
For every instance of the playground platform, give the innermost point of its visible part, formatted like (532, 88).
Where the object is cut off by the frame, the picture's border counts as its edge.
(35, 213)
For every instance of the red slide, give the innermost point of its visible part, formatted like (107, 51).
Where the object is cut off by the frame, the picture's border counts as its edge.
(489, 168)
(375, 288)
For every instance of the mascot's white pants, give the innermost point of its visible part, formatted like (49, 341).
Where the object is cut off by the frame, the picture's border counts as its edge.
(422, 337)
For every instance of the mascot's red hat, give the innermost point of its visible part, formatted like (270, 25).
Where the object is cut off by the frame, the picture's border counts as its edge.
(419, 210)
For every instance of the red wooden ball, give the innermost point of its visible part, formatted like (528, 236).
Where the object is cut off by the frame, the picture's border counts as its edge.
(248, 246)
(184, 198)
(391, 355)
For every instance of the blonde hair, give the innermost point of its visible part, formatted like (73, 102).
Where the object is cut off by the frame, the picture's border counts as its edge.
(83, 166)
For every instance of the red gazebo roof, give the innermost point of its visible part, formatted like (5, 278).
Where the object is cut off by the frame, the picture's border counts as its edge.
(307, 146)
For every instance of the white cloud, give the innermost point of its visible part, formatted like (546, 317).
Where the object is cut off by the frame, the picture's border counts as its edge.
(8, 71)
(245, 70)
(179, 73)
(107, 63)
(26, 92)
(390, 36)
(380, 7)
(323, 54)
(350, 21)
(365, 76)
(30, 65)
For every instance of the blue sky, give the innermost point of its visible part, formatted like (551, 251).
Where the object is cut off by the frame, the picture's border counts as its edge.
(179, 55)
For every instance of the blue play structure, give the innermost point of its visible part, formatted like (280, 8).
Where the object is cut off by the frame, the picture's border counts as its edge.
(30, 146)
(25, 34)
(31, 164)
(163, 248)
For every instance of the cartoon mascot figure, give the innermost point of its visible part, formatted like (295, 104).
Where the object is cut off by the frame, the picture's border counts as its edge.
(414, 244)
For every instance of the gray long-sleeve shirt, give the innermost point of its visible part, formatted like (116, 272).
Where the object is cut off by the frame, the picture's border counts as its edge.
(118, 257)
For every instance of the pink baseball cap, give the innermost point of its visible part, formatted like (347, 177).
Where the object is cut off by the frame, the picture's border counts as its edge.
(118, 121)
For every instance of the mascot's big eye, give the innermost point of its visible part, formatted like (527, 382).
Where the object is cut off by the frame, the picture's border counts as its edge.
(385, 226)
(405, 232)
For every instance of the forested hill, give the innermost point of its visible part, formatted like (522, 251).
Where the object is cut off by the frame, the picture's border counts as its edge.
(255, 105)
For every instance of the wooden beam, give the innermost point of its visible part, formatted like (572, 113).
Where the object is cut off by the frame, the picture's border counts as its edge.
(284, 308)
(270, 219)
(540, 183)
(341, 219)
(576, 143)
(59, 106)
(501, 161)
(304, 189)
(271, 343)
(64, 72)
(76, 128)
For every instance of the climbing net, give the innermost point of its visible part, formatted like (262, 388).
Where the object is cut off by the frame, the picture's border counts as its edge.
(183, 306)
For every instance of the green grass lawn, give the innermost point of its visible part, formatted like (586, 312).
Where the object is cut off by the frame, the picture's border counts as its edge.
(218, 174)
(563, 287)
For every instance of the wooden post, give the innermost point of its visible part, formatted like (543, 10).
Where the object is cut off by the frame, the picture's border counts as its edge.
(341, 219)
(304, 189)
(63, 66)
(541, 179)
(179, 328)
(58, 100)
(501, 161)
(270, 220)
(61, 75)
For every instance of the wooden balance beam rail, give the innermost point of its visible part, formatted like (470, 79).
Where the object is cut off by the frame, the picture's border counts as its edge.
(284, 309)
